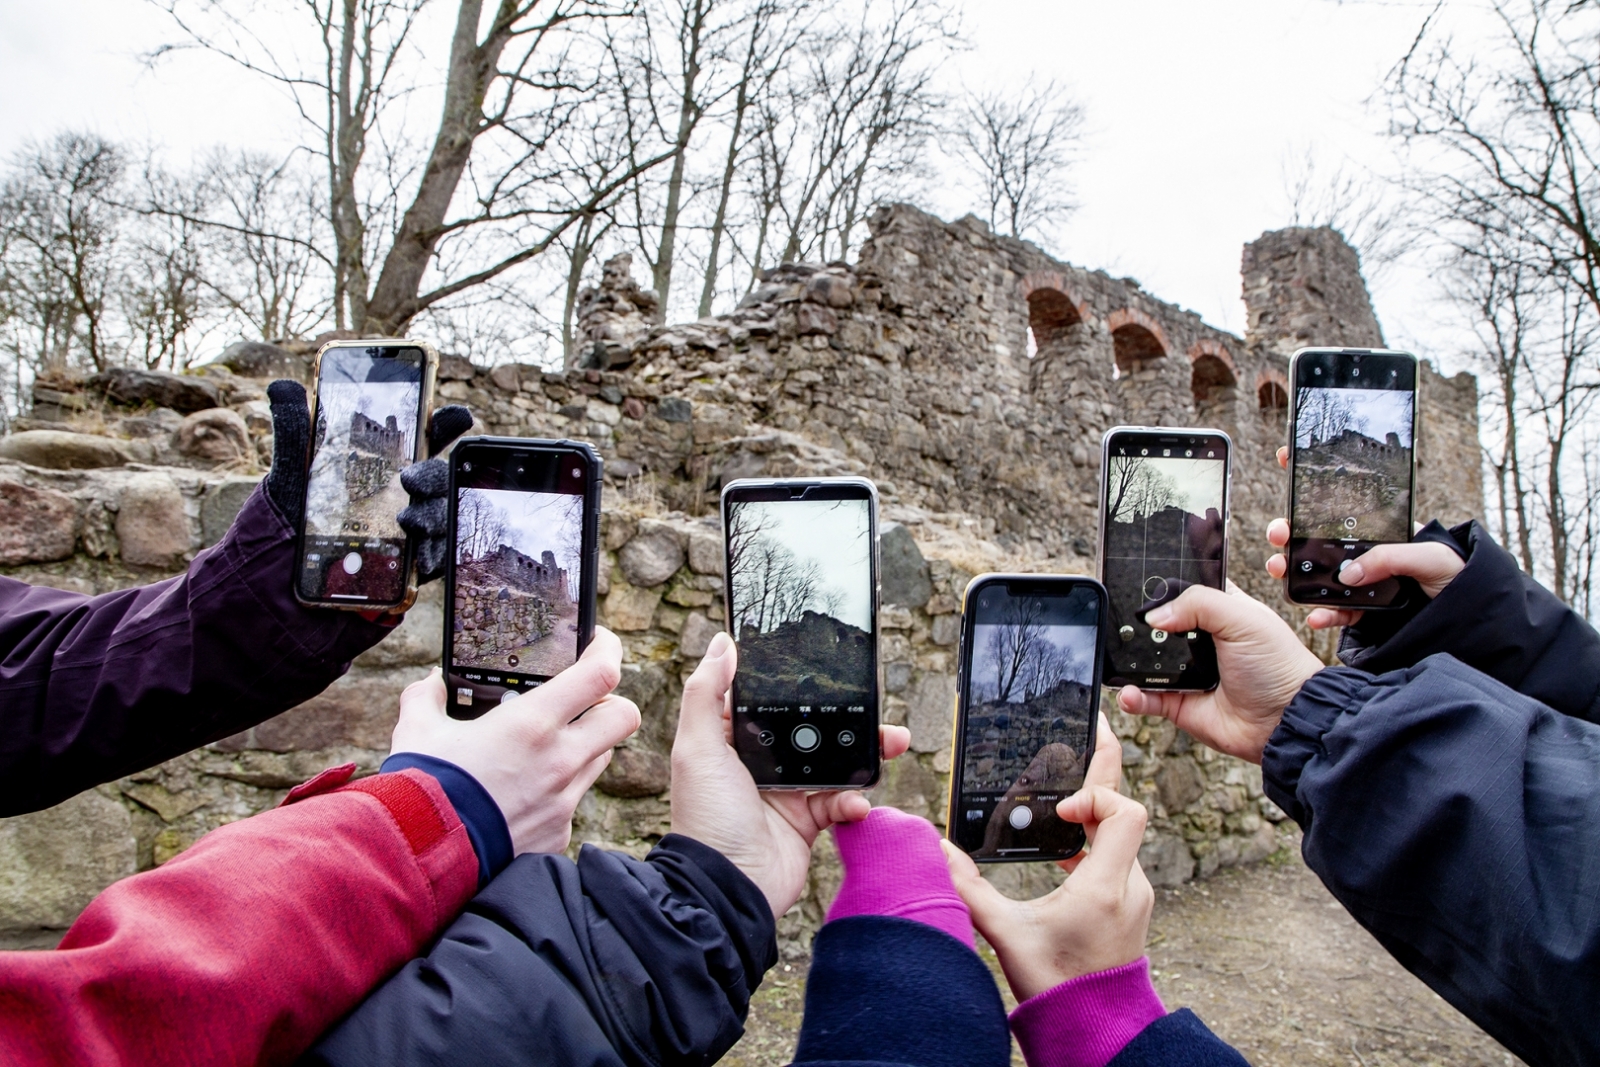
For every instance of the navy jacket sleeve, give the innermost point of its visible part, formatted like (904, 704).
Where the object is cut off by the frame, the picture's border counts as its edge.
(93, 688)
(1459, 822)
(1495, 618)
(884, 991)
(607, 961)
(1178, 1040)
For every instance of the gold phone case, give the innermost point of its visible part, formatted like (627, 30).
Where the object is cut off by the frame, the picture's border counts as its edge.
(430, 375)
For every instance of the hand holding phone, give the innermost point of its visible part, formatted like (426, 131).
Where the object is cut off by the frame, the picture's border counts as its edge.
(1352, 469)
(1099, 917)
(1027, 692)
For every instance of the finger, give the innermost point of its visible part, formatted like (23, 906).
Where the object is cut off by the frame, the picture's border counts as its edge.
(581, 685)
(1136, 701)
(1283, 456)
(992, 911)
(431, 518)
(1277, 565)
(1105, 766)
(1328, 618)
(1119, 824)
(426, 480)
(702, 722)
(445, 425)
(603, 727)
(424, 697)
(833, 806)
(1278, 532)
(1200, 607)
(584, 778)
(1425, 562)
(893, 741)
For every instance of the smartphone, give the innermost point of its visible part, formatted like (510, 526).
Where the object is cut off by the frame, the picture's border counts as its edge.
(1028, 691)
(802, 601)
(369, 410)
(1352, 466)
(523, 566)
(1163, 528)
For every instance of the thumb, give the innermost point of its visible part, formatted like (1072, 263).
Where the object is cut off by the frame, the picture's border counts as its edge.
(422, 700)
(986, 903)
(705, 695)
(1201, 607)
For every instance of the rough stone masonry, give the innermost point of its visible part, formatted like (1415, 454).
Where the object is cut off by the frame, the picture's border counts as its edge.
(969, 375)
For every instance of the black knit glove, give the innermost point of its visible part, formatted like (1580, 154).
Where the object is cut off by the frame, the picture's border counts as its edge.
(427, 520)
(291, 441)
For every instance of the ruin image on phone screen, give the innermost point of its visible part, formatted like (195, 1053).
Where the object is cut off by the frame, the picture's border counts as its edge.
(802, 606)
(521, 536)
(1164, 508)
(368, 415)
(1351, 469)
(1030, 689)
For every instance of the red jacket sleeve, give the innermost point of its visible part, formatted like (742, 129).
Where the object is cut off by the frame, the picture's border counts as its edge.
(249, 945)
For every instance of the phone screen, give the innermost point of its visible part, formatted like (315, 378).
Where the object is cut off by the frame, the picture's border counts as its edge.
(368, 409)
(1164, 506)
(1354, 423)
(515, 589)
(1031, 689)
(802, 607)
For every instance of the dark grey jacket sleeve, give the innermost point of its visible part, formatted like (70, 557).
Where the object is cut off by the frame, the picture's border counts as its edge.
(607, 961)
(96, 687)
(1459, 822)
(1495, 618)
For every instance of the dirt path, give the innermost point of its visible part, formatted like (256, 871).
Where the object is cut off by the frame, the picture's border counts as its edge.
(1269, 960)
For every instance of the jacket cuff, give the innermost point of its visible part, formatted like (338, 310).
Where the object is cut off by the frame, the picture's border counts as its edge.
(737, 901)
(477, 810)
(1086, 1021)
(1325, 696)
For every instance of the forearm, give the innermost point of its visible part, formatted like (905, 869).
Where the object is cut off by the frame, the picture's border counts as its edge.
(1455, 819)
(606, 961)
(92, 688)
(250, 944)
(1495, 618)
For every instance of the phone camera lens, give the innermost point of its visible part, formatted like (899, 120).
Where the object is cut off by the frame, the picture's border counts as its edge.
(466, 465)
(577, 473)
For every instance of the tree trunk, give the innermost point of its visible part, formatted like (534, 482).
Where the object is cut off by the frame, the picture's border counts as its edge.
(688, 119)
(709, 287)
(472, 67)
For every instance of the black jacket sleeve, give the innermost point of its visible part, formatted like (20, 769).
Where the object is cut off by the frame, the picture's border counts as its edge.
(1459, 822)
(607, 961)
(95, 687)
(1495, 618)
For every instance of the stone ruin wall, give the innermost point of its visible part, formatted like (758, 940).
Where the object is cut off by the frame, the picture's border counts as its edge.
(912, 366)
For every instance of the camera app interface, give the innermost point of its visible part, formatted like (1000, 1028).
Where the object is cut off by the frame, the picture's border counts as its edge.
(518, 566)
(1353, 439)
(1164, 531)
(801, 584)
(366, 432)
(1030, 701)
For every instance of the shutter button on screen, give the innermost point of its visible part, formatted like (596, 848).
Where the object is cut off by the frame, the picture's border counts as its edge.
(806, 737)
(1021, 817)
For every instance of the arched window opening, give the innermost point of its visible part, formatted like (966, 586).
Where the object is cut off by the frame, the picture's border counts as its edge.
(1050, 314)
(1211, 380)
(1273, 396)
(1135, 345)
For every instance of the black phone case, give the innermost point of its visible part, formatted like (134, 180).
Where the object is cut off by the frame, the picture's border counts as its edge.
(958, 731)
(588, 580)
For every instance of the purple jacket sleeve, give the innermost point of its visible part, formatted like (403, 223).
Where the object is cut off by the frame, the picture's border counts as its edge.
(93, 688)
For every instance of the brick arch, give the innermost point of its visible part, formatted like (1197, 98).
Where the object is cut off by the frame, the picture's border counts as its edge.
(1212, 370)
(1052, 305)
(1272, 390)
(1136, 338)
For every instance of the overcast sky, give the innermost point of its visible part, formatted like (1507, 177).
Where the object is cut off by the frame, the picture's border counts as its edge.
(1194, 110)
(833, 534)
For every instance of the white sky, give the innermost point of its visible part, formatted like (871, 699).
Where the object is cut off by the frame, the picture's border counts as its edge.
(1199, 481)
(834, 534)
(1376, 412)
(534, 523)
(1194, 111)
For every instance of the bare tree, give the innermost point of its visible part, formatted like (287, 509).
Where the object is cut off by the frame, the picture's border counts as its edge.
(1019, 149)
(1013, 644)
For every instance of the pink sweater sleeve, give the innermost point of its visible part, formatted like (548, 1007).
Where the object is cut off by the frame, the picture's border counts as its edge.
(246, 947)
(893, 866)
(1086, 1021)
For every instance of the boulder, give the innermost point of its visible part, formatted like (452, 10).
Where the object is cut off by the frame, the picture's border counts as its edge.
(1166, 860)
(262, 359)
(180, 392)
(257, 416)
(152, 525)
(62, 450)
(628, 608)
(697, 634)
(1179, 783)
(652, 555)
(815, 319)
(36, 525)
(359, 709)
(215, 436)
(219, 506)
(57, 860)
(705, 552)
(903, 573)
(931, 704)
(160, 422)
(635, 772)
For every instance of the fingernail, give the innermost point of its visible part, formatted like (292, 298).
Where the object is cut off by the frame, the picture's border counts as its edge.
(1158, 618)
(1351, 572)
(436, 672)
(719, 645)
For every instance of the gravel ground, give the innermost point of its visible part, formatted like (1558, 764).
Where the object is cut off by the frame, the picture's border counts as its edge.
(1268, 959)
